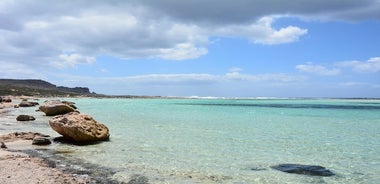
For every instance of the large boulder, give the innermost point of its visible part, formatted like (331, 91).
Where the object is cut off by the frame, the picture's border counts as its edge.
(79, 127)
(55, 107)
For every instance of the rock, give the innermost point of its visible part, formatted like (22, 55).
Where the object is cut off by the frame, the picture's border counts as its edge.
(24, 117)
(312, 170)
(16, 106)
(1, 99)
(257, 169)
(55, 107)
(2, 145)
(41, 141)
(79, 127)
(71, 104)
(138, 179)
(27, 104)
(21, 136)
(7, 100)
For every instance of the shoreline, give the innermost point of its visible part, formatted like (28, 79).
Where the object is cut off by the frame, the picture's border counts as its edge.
(22, 162)
(19, 167)
(48, 166)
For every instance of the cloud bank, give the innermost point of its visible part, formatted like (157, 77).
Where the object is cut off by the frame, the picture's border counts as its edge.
(67, 33)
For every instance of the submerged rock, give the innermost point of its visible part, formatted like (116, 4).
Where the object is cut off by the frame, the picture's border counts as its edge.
(138, 179)
(55, 107)
(27, 104)
(41, 141)
(24, 117)
(312, 170)
(79, 127)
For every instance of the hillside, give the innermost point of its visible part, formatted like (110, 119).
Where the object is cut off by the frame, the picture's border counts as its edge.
(36, 87)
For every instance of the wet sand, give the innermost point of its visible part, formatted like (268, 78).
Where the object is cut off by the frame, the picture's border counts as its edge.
(18, 167)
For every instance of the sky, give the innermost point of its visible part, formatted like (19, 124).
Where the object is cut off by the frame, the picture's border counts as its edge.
(221, 48)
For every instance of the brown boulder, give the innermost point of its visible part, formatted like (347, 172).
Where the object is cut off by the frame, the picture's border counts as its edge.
(55, 107)
(79, 127)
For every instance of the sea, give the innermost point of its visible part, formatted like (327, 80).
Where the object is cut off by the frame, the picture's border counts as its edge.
(217, 140)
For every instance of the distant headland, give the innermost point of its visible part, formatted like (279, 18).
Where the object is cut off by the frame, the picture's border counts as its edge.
(41, 88)
(37, 87)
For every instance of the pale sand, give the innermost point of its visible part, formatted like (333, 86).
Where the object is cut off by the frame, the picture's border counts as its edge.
(21, 168)
(18, 167)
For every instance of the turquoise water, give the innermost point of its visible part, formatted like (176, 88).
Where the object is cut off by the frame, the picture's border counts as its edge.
(231, 141)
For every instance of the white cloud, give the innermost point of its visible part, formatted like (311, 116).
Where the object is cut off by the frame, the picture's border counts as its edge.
(262, 32)
(19, 71)
(182, 51)
(71, 60)
(317, 69)
(372, 65)
(171, 30)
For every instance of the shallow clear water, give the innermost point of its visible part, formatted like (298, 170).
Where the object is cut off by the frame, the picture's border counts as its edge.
(231, 141)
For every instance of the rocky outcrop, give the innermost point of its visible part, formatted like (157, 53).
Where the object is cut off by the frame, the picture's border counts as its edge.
(24, 117)
(55, 107)
(36, 87)
(312, 170)
(21, 136)
(79, 127)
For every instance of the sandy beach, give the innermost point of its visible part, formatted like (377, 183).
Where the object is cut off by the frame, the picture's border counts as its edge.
(17, 166)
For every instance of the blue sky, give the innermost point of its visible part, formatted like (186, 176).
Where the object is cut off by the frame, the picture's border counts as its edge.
(240, 48)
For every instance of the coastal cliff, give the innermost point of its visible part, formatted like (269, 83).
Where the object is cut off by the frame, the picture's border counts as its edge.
(36, 87)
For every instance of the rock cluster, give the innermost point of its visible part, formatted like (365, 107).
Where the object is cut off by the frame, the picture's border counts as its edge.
(67, 121)
(56, 107)
(79, 127)
(72, 125)
(5, 100)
